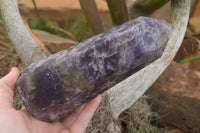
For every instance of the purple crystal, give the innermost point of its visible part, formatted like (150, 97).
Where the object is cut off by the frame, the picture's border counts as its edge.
(55, 86)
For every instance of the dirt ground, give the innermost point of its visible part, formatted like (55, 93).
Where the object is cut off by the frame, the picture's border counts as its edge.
(9, 59)
(8, 56)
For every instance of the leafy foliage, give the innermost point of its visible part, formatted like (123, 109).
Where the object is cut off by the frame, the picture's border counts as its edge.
(79, 28)
(41, 24)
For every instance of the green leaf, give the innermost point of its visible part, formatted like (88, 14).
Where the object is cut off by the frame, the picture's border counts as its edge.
(51, 29)
(38, 23)
(41, 24)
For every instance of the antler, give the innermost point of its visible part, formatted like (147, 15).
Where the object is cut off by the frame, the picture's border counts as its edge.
(22, 41)
(123, 95)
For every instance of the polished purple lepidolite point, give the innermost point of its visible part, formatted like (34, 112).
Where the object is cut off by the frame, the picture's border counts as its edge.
(55, 86)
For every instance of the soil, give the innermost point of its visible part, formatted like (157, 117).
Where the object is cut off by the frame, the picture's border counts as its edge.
(8, 56)
(9, 59)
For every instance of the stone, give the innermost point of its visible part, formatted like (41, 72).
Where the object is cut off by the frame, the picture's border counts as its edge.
(179, 80)
(53, 43)
(57, 85)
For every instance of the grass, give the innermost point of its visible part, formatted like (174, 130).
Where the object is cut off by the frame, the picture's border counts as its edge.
(79, 28)
(190, 59)
(17, 103)
(137, 119)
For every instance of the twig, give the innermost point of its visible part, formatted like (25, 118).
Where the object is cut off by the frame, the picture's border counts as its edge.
(38, 41)
(3, 56)
(14, 59)
(5, 45)
(36, 9)
(63, 31)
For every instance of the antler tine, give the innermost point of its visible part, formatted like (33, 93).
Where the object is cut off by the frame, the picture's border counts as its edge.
(124, 94)
(23, 42)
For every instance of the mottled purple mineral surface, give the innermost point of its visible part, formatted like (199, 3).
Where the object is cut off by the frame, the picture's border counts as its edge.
(55, 86)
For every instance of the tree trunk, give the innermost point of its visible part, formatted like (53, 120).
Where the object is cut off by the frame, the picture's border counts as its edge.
(90, 10)
(193, 6)
(118, 10)
(146, 7)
